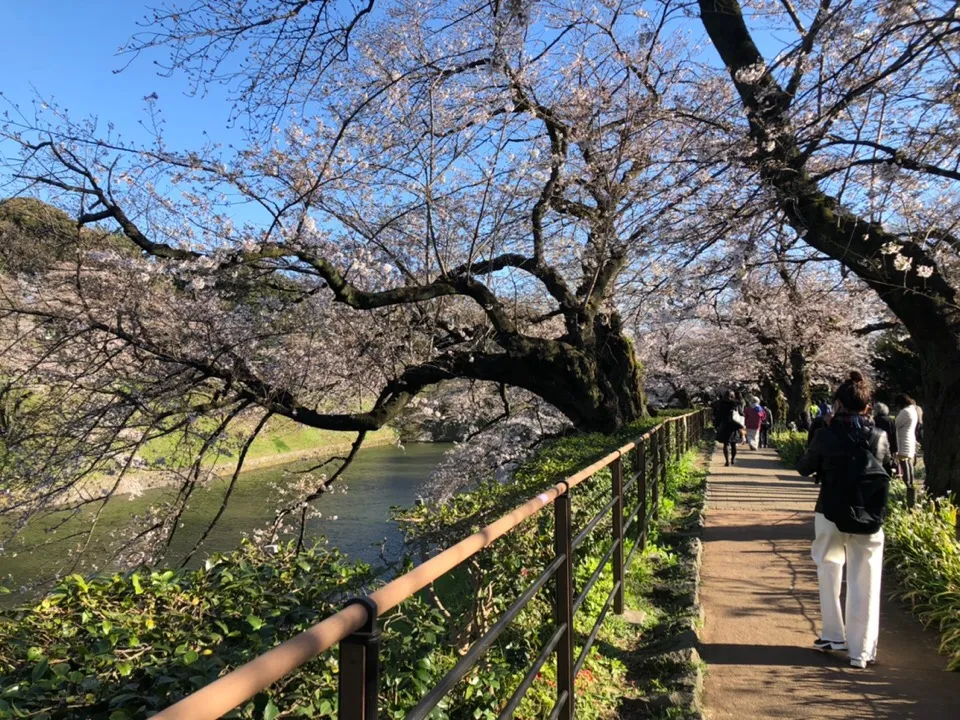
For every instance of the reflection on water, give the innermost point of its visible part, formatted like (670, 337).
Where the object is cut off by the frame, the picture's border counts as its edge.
(378, 479)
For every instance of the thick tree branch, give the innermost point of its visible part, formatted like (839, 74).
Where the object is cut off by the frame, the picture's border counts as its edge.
(820, 218)
(897, 157)
(876, 327)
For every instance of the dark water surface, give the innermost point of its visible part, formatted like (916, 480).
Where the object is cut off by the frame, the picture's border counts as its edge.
(378, 479)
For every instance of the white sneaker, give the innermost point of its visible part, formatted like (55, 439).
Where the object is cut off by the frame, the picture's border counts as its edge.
(825, 645)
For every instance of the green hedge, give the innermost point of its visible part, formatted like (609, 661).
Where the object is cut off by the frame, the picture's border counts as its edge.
(922, 550)
(122, 647)
(790, 444)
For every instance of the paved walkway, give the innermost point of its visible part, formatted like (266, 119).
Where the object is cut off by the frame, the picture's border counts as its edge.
(760, 598)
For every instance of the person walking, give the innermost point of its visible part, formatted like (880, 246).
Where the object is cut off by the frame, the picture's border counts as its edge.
(852, 458)
(728, 422)
(823, 408)
(753, 416)
(908, 419)
(819, 422)
(919, 432)
(881, 418)
(766, 425)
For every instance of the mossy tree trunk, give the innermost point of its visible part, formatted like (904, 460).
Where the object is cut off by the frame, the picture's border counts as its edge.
(798, 391)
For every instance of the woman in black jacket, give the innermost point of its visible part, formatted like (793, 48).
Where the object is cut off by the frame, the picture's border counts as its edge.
(852, 459)
(728, 432)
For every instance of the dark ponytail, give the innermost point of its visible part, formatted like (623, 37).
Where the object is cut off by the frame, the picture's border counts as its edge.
(854, 393)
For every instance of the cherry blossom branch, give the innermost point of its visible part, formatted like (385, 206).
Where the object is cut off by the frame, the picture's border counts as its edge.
(824, 223)
(233, 481)
(897, 157)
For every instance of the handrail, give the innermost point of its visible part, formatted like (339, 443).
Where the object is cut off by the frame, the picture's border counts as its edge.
(242, 683)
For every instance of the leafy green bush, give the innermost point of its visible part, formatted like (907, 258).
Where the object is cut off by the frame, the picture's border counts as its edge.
(123, 647)
(923, 551)
(494, 579)
(790, 444)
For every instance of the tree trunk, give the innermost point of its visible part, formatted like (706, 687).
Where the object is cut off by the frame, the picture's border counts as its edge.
(619, 376)
(941, 420)
(682, 396)
(798, 394)
(927, 306)
(598, 386)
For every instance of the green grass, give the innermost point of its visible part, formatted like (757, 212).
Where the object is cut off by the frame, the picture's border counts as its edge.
(665, 565)
(281, 436)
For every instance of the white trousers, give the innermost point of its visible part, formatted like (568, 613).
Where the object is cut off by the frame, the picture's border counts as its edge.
(863, 556)
(753, 439)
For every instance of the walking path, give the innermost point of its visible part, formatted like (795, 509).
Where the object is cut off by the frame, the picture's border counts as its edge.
(759, 592)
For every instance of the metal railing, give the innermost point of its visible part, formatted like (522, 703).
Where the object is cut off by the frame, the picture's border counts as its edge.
(355, 626)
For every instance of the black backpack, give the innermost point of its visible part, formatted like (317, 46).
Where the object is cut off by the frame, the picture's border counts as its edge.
(857, 501)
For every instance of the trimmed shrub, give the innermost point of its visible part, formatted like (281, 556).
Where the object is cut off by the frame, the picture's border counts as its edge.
(790, 444)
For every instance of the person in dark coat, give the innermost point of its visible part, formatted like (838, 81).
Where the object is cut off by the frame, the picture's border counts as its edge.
(819, 422)
(881, 418)
(728, 432)
(766, 426)
(824, 407)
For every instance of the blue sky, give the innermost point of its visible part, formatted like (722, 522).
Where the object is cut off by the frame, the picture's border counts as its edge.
(66, 50)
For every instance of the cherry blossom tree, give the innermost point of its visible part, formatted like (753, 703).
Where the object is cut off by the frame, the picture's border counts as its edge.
(689, 358)
(782, 324)
(853, 121)
(429, 191)
(811, 330)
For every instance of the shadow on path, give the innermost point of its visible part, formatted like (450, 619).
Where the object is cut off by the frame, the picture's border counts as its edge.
(759, 591)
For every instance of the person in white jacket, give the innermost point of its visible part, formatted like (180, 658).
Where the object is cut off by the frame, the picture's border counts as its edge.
(906, 424)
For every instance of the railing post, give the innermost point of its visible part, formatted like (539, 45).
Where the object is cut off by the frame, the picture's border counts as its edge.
(667, 448)
(562, 541)
(679, 432)
(617, 471)
(657, 438)
(678, 437)
(642, 490)
(672, 438)
(663, 465)
(359, 681)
